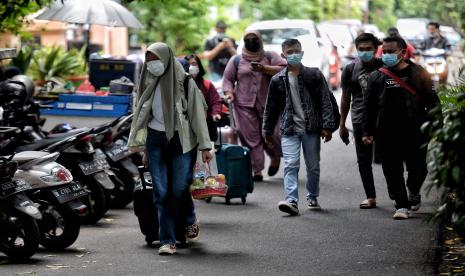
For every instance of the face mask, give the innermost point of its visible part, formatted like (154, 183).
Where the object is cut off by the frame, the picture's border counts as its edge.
(294, 59)
(365, 56)
(390, 60)
(156, 67)
(194, 70)
(252, 45)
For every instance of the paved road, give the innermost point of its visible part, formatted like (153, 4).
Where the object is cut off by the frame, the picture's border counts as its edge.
(257, 239)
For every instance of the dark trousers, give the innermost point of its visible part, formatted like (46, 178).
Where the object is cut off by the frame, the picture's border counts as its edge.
(364, 160)
(396, 152)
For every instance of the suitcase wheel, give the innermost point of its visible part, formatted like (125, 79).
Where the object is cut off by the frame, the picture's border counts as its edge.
(208, 200)
(228, 200)
(243, 200)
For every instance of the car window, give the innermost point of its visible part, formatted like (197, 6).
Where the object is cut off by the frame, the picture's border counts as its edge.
(277, 36)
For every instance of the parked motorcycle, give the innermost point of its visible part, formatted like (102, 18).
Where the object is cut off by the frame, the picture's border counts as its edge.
(19, 232)
(57, 197)
(78, 155)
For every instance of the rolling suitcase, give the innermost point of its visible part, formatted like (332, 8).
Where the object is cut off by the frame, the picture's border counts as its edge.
(147, 213)
(234, 162)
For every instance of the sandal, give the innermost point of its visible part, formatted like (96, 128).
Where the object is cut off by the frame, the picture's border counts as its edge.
(368, 203)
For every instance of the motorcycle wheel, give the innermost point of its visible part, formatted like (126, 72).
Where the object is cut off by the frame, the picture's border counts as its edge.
(95, 201)
(123, 194)
(19, 238)
(59, 227)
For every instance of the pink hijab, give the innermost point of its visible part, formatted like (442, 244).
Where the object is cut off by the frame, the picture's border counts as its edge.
(254, 56)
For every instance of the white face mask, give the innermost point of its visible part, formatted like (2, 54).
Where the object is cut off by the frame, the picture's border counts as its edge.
(156, 67)
(194, 70)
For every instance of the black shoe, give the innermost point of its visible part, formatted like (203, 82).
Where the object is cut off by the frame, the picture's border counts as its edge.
(258, 178)
(288, 207)
(273, 170)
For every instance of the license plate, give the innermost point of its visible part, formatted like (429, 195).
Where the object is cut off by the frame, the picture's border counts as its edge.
(69, 192)
(117, 152)
(13, 187)
(94, 166)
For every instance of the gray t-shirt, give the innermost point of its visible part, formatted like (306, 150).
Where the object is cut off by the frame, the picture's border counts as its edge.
(298, 116)
(354, 79)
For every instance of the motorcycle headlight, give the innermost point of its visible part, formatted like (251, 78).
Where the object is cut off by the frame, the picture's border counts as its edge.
(440, 68)
(58, 175)
(430, 69)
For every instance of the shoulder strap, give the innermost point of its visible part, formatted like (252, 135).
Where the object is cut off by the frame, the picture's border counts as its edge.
(207, 84)
(237, 60)
(186, 86)
(399, 81)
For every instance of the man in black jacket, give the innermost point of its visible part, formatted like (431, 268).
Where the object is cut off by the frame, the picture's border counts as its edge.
(399, 97)
(300, 95)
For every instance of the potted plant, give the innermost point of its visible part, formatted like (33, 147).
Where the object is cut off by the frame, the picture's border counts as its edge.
(49, 62)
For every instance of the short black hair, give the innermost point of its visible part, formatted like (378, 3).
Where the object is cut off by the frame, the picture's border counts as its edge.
(435, 24)
(399, 40)
(201, 73)
(221, 24)
(393, 30)
(290, 42)
(367, 37)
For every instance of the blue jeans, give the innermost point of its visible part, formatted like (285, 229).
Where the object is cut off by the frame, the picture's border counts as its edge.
(171, 172)
(291, 154)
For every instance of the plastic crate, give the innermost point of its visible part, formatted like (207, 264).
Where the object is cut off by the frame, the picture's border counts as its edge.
(82, 98)
(92, 106)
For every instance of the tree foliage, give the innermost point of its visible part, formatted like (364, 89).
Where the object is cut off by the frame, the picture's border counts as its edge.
(13, 12)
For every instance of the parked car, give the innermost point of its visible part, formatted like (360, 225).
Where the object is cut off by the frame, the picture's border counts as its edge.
(453, 37)
(373, 29)
(274, 32)
(341, 37)
(413, 30)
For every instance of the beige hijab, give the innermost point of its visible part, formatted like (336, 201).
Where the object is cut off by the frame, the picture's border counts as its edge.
(169, 84)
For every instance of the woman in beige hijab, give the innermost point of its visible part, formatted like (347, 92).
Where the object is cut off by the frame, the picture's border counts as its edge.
(170, 128)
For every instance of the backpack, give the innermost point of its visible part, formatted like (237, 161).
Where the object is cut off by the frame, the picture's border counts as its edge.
(334, 105)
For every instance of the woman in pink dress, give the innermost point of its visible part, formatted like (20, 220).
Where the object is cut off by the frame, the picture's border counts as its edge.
(246, 81)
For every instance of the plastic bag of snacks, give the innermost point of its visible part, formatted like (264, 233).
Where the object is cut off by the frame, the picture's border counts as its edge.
(207, 182)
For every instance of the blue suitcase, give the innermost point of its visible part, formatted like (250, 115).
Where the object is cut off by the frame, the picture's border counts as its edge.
(234, 162)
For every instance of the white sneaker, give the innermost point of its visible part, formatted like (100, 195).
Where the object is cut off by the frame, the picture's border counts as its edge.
(167, 249)
(402, 213)
(288, 207)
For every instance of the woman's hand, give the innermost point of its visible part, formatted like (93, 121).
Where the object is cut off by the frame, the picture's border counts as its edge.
(145, 160)
(206, 156)
(216, 117)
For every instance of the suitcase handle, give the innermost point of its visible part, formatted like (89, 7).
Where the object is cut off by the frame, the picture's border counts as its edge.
(141, 170)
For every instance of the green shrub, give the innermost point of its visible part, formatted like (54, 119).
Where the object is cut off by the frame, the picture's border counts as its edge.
(23, 58)
(446, 156)
(49, 62)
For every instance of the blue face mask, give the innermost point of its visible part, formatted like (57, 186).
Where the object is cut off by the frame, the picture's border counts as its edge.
(365, 56)
(390, 60)
(294, 59)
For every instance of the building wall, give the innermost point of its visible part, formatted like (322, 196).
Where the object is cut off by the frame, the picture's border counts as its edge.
(114, 41)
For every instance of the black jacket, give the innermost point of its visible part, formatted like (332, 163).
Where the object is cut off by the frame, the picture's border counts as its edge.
(417, 108)
(314, 96)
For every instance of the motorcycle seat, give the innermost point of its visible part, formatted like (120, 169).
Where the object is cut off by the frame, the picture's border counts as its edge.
(44, 143)
(39, 145)
(26, 156)
(67, 134)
